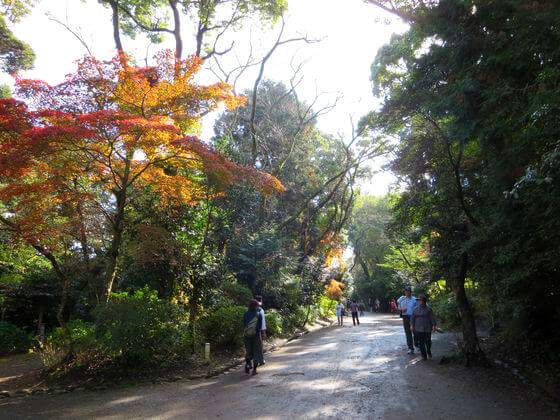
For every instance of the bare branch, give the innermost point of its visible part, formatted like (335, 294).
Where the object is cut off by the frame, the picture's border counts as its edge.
(72, 31)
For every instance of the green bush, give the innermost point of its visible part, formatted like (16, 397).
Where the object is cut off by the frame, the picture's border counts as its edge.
(13, 339)
(445, 310)
(141, 329)
(274, 323)
(326, 307)
(224, 326)
(294, 319)
(239, 294)
(82, 334)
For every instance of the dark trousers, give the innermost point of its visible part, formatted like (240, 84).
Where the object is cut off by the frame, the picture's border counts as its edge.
(253, 351)
(425, 343)
(410, 340)
(355, 318)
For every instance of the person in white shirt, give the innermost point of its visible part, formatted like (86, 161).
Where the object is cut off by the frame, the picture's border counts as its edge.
(340, 313)
(260, 311)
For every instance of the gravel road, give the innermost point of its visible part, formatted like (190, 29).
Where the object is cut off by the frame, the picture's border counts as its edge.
(348, 372)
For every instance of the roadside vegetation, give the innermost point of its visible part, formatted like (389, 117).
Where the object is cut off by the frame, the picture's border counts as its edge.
(126, 240)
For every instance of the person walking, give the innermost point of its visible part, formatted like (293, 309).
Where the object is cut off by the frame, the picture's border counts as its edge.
(340, 313)
(260, 310)
(422, 324)
(354, 310)
(393, 306)
(406, 307)
(252, 324)
(377, 305)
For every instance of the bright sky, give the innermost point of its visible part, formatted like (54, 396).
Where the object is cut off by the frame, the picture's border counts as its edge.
(351, 32)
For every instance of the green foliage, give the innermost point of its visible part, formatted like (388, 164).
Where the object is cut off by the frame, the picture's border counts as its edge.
(141, 329)
(237, 293)
(471, 93)
(326, 307)
(14, 10)
(82, 335)
(445, 309)
(224, 326)
(274, 323)
(5, 92)
(295, 318)
(13, 339)
(15, 55)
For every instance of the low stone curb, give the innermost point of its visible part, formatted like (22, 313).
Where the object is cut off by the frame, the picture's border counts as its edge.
(57, 390)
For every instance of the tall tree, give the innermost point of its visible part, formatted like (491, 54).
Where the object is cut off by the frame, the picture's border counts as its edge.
(106, 134)
(210, 20)
(15, 55)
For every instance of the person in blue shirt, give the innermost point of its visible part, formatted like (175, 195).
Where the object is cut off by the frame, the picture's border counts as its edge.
(406, 308)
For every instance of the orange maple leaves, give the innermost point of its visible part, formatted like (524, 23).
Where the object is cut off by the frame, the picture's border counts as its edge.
(108, 129)
(334, 290)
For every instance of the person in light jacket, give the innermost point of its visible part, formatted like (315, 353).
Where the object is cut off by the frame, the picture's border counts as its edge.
(422, 323)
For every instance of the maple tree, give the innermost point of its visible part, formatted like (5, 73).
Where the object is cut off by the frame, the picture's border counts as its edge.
(334, 290)
(110, 131)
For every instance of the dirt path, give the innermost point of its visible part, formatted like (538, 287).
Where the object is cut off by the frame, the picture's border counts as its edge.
(351, 372)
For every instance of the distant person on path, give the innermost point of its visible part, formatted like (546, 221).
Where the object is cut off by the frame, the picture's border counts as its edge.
(361, 307)
(406, 307)
(354, 309)
(260, 310)
(423, 323)
(376, 305)
(393, 306)
(340, 313)
(252, 324)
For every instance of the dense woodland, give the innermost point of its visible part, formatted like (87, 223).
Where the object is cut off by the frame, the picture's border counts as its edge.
(125, 239)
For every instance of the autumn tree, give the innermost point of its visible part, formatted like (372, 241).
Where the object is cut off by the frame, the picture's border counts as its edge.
(108, 133)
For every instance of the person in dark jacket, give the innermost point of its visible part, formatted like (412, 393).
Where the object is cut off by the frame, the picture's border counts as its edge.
(422, 323)
(252, 323)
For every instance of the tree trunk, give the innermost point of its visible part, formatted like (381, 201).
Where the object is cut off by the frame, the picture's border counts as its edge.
(306, 317)
(116, 31)
(471, 348)
(192, 323)
(65, 286)
(118, 227)
(177, 29)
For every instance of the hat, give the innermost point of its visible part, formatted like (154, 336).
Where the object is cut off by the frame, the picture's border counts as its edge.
(408, 289)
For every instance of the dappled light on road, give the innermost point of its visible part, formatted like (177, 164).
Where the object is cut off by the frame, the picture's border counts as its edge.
(349, 372)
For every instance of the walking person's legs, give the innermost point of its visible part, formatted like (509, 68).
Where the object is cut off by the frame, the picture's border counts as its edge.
(408, 333)
(422, 336)
(429, 344)
(354, 317)
(258, 354)
(249, 354)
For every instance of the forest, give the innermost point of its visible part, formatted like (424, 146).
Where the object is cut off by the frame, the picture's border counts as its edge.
(128, 240)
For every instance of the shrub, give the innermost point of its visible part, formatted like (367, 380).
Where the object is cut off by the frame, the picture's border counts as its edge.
(13, 339)
(327, 307)
(239, 294)
(141, 329)
(224, 326)
(82, 334)
(445, 310)
(294, 319)
(57, 344)
(274, 323)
